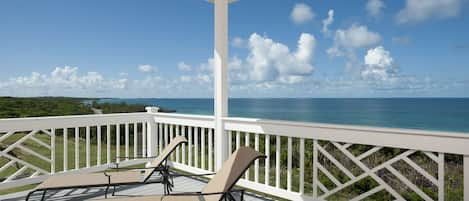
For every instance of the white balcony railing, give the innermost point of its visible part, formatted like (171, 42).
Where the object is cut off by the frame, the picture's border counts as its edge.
(305, 161)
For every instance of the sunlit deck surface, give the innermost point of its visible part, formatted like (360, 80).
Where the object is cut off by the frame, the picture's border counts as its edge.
(182, 184)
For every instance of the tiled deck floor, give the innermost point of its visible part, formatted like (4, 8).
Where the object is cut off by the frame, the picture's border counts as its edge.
(182, 184)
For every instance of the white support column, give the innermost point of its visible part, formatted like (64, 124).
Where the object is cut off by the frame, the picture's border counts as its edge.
(152, 133)
(221, 80)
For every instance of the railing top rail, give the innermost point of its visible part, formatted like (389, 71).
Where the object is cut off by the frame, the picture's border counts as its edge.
(29, 123)
(432, 141)
(203, 121)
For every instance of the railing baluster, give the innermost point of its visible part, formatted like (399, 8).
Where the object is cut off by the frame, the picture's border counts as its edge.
(52, 151)
(166, 135)
(202, 141)
(184, 146)
(118, 142)
(126, 141)
(246, 143)
(144, 139)
(65, 150)
(135, 140)
(256, 163)
(441, 176)
(315, 169)
(179, 147)
(267, 160)
(289, 164)
(277, 161)
(190, 145)
(210, 150)
(77, 146)
(171, 134)
(302, 166)
(238, 139)
(196, 147)
(160, 138)
(98, 158)
(108, 144)
(88, 147)
(230, 142)
(466, 178)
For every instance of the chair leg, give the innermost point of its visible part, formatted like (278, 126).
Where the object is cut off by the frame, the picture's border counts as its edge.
(114, 191)
(29, 195)
(43, 195)
(105, 192)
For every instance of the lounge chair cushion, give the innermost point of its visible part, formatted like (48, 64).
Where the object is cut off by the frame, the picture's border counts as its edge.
(95, 179)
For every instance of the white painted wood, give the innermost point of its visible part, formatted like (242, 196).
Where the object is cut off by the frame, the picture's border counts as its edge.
(108, 144)
(52, 151)
(466, 178)
(190, 147)
(289, 163)
(196, 147)
(220, 72)
(184, 146)
(88, 147)
(369, 152)
(277, 161)
(409, 184)
(10, 157)
(444, 142)
(166, 135)
(178, 148)
(422, 171)
(118, 143)
(171, 134)
(153, 143)
(135, 140)
(256, 162)
(144, 139)
(98, 150)
(6, 166)
(202, 141)
(20, 141)
(267, 160)
(210, 150)
(5, 136)
(160, 138)
(16, 174)
(302, 166)
(432, 156)
(238, 139)
(77, 147)
(126, 141)
(36, 154)
(44, 123)
(315, 168)
(184, 119)
(40, 142)
(368, 193)
(246, 144)
(230, 142)
(441, 176)
(336, 162)
(65, 156)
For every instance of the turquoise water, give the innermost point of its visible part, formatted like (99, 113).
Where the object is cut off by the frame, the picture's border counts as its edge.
(442, 114)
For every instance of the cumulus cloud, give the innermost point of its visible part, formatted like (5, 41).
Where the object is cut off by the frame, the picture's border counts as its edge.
(238, 42)
(301, 13)
(184, 67)
(327, 22)
(356, 36)
(374, 7)
(146, 68)
(419, 10)
(379, 65)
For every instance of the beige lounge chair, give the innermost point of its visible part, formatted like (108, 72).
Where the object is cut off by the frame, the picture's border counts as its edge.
(130, 177)
(218, 188)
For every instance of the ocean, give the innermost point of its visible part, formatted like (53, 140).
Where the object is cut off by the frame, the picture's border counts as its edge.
(438, 114)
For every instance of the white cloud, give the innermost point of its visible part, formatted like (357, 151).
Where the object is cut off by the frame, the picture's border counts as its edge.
(185, 78)
(356, 36)
(421, 10)
(301, 13)
(146, 68)
(379, 65)
(273, 61)
(374, 7)
(327, 22)
(184, 67)
(238, 42)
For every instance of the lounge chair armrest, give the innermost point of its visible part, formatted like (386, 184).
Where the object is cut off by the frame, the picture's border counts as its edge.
(191, 175)
(135, 168)
(138, 157)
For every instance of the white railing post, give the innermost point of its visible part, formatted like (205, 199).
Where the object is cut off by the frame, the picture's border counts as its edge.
(466, 178)
(152, 133)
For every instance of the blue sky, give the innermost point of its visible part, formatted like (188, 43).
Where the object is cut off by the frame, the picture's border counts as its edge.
(368, 48)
